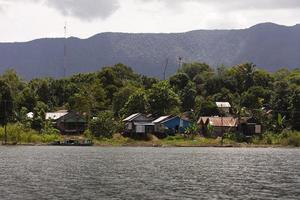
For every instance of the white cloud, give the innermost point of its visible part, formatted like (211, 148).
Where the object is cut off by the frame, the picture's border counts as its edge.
(82, 9)
(85, 9)
(234, 4)
(93, 9)
(30, 19)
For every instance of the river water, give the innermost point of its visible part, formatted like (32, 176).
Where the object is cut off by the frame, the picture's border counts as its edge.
(148, 173)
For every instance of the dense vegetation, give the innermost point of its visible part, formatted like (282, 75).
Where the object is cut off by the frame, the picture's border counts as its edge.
(112, 93)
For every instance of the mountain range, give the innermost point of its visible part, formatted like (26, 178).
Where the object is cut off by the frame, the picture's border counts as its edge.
(269, 46)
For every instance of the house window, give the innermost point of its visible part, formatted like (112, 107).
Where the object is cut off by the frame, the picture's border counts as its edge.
(140, 129)
(258, 129)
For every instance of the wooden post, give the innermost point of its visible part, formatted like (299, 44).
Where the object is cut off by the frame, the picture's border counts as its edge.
(5, 124)
(5, 135)
(222, 130)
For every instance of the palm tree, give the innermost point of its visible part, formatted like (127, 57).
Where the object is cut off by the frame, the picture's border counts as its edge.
(191, 131)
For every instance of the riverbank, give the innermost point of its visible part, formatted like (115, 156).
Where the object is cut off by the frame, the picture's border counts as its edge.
(148, 145)
(180, 141)
(288, 139)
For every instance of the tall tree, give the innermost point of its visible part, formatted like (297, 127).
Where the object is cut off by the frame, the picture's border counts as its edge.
(162, 99)
(193, 69)
(295, 109)
(121, 97)
(280, 101)
(179, 81)
(137, 103)
(6, 104)
(244, 76)
(187, 97)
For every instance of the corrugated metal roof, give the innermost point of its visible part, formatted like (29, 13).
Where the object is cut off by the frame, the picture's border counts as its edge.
(223, 104)
(160, 119)
(220, 121)
(131, 117)
(55, 115)
(202, 119)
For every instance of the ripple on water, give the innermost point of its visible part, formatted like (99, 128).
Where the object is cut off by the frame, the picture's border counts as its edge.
(148, 173)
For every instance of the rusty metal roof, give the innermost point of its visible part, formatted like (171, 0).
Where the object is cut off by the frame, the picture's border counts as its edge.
(219, 121)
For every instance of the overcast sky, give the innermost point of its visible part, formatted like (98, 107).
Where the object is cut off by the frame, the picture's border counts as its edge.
(23, 20)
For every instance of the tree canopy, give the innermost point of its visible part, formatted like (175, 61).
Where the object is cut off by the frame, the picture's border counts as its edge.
(116, 91)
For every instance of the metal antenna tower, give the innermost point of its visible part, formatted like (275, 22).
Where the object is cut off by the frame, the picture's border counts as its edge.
(65, 49)
(165, 68)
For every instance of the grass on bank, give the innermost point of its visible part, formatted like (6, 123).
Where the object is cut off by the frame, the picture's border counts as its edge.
(286, 138)
(153, 141)
(19, 134)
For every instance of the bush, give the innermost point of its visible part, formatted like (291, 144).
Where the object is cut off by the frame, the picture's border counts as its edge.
(291, 138)
(191, 131)
(286, 138)
(49, 129)
(19, 133)
(104, 125)
(237, 137)
(176, 137)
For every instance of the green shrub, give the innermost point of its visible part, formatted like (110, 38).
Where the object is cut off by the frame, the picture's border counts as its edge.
(271, 138)
(235, 136)
(88, 134)
(294, 141)
(48, 128)
(291, 138)
(176, 137)
(104, 125)
(19, 133)
(286, 138)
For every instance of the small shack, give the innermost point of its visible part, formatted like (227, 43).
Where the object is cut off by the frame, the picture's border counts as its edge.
(249, 126)
(171, 125)
(138, 125)
(224, 107)
(68, 123)
(217, 125)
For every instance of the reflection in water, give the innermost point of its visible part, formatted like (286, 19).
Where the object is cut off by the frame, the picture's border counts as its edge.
(148, 173)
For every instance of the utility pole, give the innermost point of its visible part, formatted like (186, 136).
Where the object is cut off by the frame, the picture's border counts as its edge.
(180, 59)
(222, 130)
(165, 68)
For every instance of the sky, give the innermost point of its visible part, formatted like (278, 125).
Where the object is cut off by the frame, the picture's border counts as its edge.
(24, 20)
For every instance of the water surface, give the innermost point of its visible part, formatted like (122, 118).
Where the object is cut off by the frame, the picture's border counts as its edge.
(148, 173)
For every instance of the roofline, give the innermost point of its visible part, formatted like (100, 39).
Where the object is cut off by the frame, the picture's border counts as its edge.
(166, 117)
(174, 118)
(136, 115)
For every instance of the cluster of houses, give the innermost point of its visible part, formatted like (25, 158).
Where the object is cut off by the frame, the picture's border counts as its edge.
(72, 123)
(140, 124)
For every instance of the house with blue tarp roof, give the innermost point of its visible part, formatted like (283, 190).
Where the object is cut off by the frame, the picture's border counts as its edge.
(171, 125)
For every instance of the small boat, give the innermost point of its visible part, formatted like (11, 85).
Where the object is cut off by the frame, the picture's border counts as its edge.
(73, 143)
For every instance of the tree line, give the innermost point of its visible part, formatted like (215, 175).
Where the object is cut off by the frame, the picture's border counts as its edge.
(272, 98)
